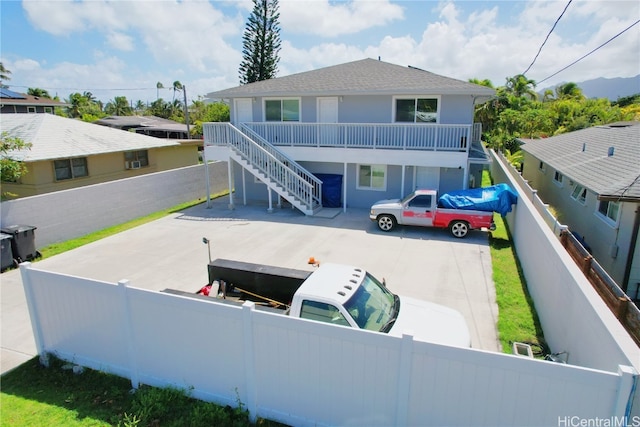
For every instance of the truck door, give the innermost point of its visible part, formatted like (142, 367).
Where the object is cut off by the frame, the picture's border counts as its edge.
(419, 211)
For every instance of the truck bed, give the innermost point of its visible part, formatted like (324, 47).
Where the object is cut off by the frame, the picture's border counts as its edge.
(231, 300)
(275, 283)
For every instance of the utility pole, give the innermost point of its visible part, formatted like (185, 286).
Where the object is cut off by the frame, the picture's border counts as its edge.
(186, 111)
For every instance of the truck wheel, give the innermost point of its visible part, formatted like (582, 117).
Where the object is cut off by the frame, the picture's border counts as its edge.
(459, 229)
(386, 222)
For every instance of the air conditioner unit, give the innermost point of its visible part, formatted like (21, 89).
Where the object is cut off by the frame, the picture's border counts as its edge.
(135, 165)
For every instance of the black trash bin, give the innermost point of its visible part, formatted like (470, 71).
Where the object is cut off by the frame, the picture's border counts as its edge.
(7, 252)
(23, 241)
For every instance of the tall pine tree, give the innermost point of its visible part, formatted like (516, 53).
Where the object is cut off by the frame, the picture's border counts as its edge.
(261, 43)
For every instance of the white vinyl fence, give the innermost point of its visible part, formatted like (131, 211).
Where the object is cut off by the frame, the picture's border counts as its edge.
(302, 372)
(67, 214)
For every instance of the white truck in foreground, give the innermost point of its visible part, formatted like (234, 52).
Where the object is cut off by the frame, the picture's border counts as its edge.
(337, 294)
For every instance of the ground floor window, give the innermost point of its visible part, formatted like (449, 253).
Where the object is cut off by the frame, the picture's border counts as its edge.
(136, 159)
(70, 168)
(372, 177)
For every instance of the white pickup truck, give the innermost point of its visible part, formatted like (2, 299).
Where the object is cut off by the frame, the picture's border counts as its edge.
(337, 294)
(421, 208)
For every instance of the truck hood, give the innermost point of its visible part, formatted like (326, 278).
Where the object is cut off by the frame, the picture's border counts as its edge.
(385, 204)
(431, 322)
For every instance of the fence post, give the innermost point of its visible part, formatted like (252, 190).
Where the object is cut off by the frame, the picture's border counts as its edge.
(128, 326)
(626, 390)
(248, 309)
(33, 313)
(404, 379)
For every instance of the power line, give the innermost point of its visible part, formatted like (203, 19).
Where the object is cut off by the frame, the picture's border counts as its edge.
(584, 56)
(546, 38)
(92, 90)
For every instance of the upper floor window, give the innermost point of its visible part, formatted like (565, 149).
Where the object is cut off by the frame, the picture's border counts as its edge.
(417, 110)
(557, 178)
(282, 110)
(136, 159)
(70, 168)
(609, 209)
(372, 177)
(579, 193)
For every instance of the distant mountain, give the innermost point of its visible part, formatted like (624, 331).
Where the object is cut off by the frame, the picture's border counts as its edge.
(607, 88)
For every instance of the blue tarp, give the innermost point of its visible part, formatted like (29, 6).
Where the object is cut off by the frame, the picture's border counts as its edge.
(497, 198)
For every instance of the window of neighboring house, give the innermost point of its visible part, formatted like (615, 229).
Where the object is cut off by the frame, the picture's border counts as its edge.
(136, 159)
(70, 168)
(557, 178)
(542, 167)
(48, 110)
(372, 177)
(31, 109)
(417, 110)
(580, 194)
(609, 210)
(282, 110)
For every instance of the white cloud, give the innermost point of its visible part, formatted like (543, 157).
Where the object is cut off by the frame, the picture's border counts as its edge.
(330, 19)
(120, 41)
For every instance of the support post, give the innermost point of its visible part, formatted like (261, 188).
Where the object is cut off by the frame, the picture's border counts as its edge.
(206, 173)
(626, 390)
(33, 313)
(131, 341)
(404, 379)
(230, 172)
(248, 308)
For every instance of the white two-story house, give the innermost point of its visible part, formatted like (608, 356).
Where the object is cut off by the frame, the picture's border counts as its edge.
(349, 135)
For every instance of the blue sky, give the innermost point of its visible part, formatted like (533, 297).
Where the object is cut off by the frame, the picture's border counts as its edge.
(123, 48)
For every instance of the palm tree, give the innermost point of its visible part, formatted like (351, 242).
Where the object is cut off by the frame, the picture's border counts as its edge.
(158, 87)
(4, 74)
(177, 87)
(483, 82)
(520, 86)
(569, 90)
(40, 93)
(119, 106)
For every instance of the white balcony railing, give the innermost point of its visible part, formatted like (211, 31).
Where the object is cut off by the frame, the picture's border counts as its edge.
(436, 137)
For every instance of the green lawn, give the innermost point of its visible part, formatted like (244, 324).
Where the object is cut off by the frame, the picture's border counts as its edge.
(35, 396)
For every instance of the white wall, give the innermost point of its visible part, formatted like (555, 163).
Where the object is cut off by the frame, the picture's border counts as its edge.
(302, 372)
(574, 317)
(67, 214)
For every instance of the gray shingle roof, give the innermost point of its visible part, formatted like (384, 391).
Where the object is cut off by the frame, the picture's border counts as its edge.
(583, 156)
(364, 77)
(55, 137)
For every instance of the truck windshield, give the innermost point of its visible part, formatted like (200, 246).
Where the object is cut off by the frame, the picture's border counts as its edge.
(372, 306)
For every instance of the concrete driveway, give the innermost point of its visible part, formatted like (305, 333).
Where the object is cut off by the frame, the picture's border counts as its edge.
(428, 264)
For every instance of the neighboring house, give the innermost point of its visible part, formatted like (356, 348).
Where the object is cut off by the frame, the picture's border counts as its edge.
(147, 125)
(375, 130)
(591, 178)
(13, 102)
(68, 153)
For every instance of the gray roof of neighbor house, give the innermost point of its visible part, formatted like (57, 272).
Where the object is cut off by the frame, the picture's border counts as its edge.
(9, 97)
(604, 159)
(364, 77)
(140, 121)
(55, 137)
